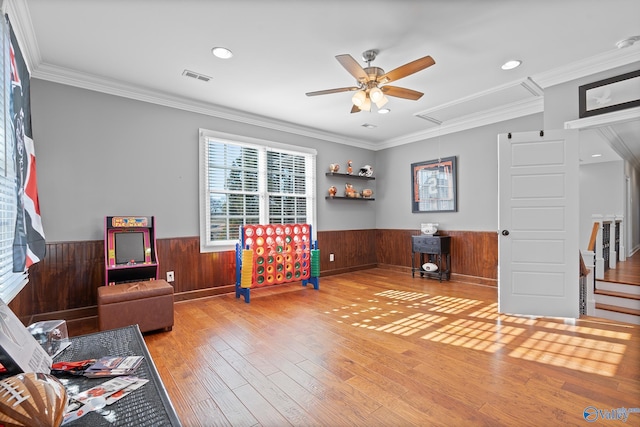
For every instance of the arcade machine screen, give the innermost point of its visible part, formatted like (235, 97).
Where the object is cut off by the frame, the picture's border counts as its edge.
(129, 247)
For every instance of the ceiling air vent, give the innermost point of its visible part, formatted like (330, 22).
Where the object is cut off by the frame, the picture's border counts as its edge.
(196, 76)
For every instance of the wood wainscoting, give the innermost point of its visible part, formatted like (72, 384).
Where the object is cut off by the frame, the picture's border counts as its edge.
(64, 284)
(474, 254)
(352, 249)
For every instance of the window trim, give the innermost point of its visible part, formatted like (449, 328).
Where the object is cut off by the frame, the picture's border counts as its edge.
(261, 144)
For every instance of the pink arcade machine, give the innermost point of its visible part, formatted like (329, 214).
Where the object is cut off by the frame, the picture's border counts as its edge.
(130, 249)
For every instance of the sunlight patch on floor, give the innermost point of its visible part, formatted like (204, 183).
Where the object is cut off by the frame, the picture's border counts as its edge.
(490, 312)
(405, 326)
(445, 304)
(578, 329)
(479, 326)
(402, 295)
(475, 334)
(577, 353)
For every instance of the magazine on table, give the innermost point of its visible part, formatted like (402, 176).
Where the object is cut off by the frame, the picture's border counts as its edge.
(113, 366)
(100, 396)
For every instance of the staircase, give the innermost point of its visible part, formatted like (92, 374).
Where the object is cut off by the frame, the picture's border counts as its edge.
(617, 301)
(611, 288)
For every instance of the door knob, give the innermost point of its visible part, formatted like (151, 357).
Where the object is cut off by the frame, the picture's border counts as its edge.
(505, 232)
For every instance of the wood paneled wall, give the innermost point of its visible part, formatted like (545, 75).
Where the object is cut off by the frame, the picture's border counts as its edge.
(64, 284)
(474, 254)
(352, 249)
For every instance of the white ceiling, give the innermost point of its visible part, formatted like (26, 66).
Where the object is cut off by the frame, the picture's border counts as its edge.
(285, 48)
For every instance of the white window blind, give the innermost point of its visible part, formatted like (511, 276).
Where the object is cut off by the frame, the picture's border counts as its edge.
(10, 283)
(250, 181)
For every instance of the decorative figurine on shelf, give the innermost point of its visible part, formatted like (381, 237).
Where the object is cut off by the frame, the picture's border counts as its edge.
(349, 191)
(332, 190)
(349, 167)
(366, 170)
(367, 192)
(334, 167)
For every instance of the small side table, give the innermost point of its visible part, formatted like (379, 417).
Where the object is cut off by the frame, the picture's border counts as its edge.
(433, 249)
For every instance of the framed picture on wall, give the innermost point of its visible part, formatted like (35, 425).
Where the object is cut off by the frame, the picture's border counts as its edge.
(433, 186)
(612, 94)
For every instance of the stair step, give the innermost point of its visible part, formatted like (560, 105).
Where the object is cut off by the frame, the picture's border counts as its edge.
(618, 287)
(616, 294)
(621, 281)
(617, 309)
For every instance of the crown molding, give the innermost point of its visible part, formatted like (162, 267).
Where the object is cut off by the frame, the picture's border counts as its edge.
(586, 67)
(72, 78)
(482, 118)
(604, 124)
(20, 19)
(84, 81)
(618, 145)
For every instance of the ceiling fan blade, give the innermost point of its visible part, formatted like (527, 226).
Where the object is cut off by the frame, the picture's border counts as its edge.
(328, 91)
(355, 109)
(407, 69)
(352, 66)
(400, 92)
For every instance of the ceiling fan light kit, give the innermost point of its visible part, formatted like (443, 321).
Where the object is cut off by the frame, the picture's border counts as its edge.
(366, 106)
(371, 81)
(382, 102)
(359, 98)
(376, 94)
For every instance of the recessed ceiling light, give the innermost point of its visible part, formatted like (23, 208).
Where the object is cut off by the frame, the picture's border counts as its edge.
(510, 65)
(222, 52)
(596, 155)
(384, 111)
(369, 126)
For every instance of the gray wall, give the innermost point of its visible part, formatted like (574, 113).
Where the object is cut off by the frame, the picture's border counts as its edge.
(601, 192)
(632, 216)
(477, 178)
(101, 155)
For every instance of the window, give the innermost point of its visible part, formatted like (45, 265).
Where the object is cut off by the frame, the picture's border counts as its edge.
(10, 283)
(250, 181)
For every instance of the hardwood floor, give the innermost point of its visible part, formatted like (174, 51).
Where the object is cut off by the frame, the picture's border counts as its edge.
(378, 348)
(627, 271)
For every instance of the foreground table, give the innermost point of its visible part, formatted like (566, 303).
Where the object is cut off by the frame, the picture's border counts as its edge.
(147, 406)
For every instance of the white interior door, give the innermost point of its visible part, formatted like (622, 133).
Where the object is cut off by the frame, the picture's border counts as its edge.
(538, 246)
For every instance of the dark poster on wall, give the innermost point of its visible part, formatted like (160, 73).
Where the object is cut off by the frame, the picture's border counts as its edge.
(28, 243)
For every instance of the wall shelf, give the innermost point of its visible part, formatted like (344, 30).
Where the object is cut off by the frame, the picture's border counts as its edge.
(350, 198)
(346, 175)
(347, 178)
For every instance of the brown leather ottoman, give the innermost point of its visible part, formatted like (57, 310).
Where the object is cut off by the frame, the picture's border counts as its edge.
(148, 304)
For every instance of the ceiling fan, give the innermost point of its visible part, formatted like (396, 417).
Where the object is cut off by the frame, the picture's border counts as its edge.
(370, 80)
